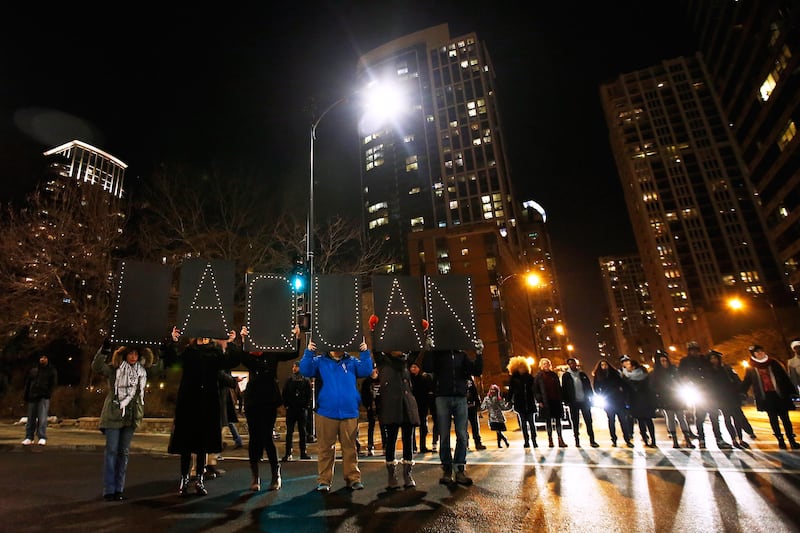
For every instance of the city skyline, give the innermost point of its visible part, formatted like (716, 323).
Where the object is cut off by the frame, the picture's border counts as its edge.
(142, 95)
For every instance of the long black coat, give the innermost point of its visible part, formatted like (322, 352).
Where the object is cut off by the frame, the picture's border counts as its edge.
(397, 405)
(197, 408)
(263, 390)
(521, 393)
(612, 388)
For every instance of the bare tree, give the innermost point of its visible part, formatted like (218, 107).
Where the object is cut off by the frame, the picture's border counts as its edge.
(57, 272)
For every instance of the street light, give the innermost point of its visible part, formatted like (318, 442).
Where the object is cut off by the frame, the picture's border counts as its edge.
(381, 101)
(737, 304)
(532, 280)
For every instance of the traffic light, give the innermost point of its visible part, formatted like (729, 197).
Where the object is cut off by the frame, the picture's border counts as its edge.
(299, 277)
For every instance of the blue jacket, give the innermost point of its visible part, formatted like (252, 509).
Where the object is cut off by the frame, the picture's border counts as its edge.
(339, 397)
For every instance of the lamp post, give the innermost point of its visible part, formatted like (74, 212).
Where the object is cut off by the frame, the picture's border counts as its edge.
(737, 304)
(532, 280)
(310, 219)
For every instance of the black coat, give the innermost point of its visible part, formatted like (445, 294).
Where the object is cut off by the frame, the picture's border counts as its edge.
(451, 369)
(263, 390)
(665, 387)
(397, 405)
(521, 393)
(197, 407)
(783, 385)
(612, 388)
(40, 382)
(640, 398)
(297, 393)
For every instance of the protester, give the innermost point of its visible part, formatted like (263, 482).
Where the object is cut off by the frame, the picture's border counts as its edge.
(371, 399)
(694, 368)
(609, 386)
(578, 395)
(550, 399)
(665, 382)
(473, 404)
(337, 410)
(397, 413)
(521, 396)
(640, 398)
(262, 397)
(773, 391)
(494, 404)
(793, 367)
(40, 382)
(422, 384)
(451, 369)
(297, 400)
(196, 427)
(229, 389)
(123, 409)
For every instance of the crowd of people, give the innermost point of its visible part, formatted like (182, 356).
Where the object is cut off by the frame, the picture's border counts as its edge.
(399, 391)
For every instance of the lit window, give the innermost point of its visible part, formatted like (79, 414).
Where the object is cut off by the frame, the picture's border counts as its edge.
(382, 221)
(411, 163)
(376, 207)
(413, 190)
(408, 138)
(788, 134)
(453, 204)
(417, 221)
(464, 251)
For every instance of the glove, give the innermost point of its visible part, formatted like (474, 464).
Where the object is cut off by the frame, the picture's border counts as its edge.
(106, 349)
(479, 346)
(429, 342)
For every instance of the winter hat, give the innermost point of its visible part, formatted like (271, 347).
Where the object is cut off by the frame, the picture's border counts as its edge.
(624, 358)
(714, 353)
(692, 345)
(755, 348)
(795, 342)
(661, 353)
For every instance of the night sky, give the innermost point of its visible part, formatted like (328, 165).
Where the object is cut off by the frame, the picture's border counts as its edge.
(201, 88)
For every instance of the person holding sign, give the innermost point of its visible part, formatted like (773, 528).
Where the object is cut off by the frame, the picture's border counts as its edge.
(451, 369)
(262, 397)
(337, 410)
(196, 424)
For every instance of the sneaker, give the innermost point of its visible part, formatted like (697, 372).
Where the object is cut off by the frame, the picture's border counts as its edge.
(27, 442)
(357, 486)
(323, 487)
(305, 456)
(744, 445)
(446, 479)
(462, 479)
(41, 442)
(287, 458)
(371, 452)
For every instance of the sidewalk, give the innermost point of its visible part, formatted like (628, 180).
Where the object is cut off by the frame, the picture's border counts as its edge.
(68, 435)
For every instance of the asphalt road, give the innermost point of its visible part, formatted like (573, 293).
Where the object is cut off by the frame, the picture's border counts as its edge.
(605, 489)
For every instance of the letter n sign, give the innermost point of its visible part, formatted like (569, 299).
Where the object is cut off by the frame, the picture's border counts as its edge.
(450, 306)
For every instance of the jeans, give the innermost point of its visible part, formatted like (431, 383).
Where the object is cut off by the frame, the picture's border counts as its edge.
(115, 465)
(528, 426)
(452, 408)
(37, 418)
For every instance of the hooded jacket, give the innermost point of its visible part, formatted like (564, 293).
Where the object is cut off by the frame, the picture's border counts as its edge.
(451, 369)
(339, 396)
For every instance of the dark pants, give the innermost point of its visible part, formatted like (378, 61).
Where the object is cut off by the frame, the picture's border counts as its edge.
(472, 415)
(261, 422)
(614, 416)
(700, 414)
(576, 409)
(390, 444)
(296, 416)
(424, 409)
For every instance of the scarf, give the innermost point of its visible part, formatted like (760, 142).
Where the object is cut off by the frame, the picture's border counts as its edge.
(130, 378)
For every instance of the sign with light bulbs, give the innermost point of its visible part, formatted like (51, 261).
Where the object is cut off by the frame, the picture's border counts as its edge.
(206, 305)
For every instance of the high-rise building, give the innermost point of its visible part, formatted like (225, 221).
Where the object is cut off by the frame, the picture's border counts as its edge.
(436, 186)
(631, 313)
(87, 164)
(693, 212)
(751, 51)
(441, 163)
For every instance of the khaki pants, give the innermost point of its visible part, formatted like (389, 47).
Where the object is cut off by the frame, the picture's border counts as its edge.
(328, 430)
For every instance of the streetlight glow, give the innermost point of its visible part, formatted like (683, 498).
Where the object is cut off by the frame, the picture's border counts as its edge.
(735, 303)
(559, 329)
(533, 279)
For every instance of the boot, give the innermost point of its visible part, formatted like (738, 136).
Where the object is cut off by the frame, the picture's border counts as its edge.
(479, 445)
(550, 440)
(533, 441)
(722, 445)
(687, 438)
(287, 456)
(675, 443)
(200, 486)
(561, 443)
(506, 441)
(183, 487)
(408, 481)
(275, 484)
(781, 442)
(391, 470)
(255, 482)
(577, 441)
(499, 442)
(793, 443)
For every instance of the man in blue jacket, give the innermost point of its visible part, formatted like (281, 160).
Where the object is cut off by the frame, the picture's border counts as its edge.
(451, 369)
(337, 410)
